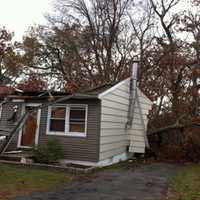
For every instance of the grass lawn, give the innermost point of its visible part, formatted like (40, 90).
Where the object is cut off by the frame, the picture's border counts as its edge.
(21, 181)
(186, 184)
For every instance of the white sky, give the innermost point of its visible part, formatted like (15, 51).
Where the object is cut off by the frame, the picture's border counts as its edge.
(18, 15)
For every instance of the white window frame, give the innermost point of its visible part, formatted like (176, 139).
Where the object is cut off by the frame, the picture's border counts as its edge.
(67, 120)
(78, 134)
(49, 119)
(1, 110)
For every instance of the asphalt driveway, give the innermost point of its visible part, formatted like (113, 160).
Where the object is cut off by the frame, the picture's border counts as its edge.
(147, 182)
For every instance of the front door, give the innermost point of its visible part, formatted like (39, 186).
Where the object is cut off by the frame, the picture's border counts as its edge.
(29, 133)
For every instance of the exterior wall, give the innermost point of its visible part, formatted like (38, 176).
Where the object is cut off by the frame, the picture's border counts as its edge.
(77, 148)
(7, 111)
(137, 144)
(114, 139)
(107, 140)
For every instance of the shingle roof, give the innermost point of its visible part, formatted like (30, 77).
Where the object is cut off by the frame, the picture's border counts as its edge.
(87, 94)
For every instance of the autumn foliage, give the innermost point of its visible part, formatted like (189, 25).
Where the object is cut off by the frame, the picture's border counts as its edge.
(33, 83)
(90, 43)
(180, 145)
(6, 90)
(10, 58)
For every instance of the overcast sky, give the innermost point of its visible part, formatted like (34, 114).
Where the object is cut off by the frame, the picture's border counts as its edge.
(18, 15)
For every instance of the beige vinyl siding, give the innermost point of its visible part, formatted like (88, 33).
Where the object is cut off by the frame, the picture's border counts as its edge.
(114, 110)
(114, 139)
(111, 153)
(136, 133)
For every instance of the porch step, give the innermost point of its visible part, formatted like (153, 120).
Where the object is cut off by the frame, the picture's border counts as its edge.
(17, 157)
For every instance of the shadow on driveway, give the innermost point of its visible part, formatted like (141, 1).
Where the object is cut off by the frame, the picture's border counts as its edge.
(146, 182)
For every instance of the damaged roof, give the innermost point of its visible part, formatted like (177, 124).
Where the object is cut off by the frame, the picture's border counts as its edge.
(6, 90)
(87, 94)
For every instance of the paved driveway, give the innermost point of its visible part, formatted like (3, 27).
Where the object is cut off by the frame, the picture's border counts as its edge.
(146, 182)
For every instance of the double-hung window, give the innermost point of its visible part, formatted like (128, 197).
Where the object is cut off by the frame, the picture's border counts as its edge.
(67, 120)
(77, 119)
(57, 119)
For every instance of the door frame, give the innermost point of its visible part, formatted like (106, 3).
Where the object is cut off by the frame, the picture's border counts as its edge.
(37, 128)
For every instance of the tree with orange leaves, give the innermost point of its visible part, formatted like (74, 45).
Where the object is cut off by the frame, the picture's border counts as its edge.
(10, 58)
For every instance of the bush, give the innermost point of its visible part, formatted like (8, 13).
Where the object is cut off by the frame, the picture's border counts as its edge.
(52, 152)
(179, 145)
(192, 144)
(175, 144)
(172, 153)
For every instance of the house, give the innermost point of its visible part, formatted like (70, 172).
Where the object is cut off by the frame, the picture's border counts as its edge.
(91, 127)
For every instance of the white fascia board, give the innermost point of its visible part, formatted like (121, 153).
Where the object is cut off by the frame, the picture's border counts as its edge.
(101, 95)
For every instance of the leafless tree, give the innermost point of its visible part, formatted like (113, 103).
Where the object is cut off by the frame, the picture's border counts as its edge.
(104, 22)
(163, 8)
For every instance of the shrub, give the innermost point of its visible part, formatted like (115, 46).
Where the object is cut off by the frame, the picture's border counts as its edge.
(51, 152)
(179, 145)
(172, 153)
(191, 144)
(175, 144)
